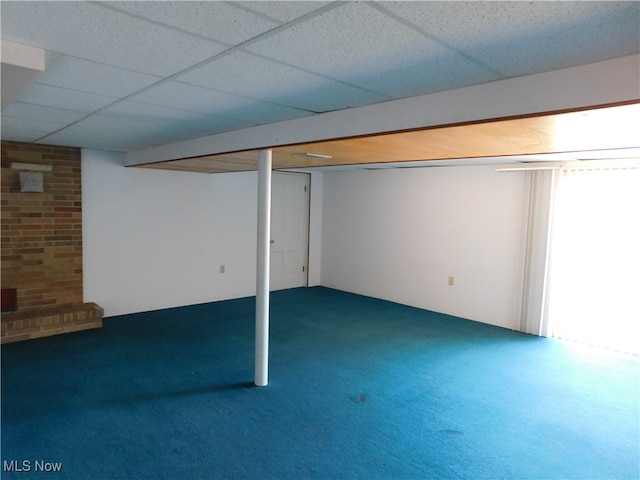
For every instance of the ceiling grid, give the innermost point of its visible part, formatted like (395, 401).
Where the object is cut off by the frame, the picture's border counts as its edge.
(125, 76)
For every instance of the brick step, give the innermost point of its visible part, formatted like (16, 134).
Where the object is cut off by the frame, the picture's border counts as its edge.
(43, 322)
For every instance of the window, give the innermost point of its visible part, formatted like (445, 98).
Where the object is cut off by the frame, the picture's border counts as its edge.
(594, 270)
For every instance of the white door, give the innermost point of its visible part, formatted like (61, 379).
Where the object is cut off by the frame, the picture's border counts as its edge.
(289, 230)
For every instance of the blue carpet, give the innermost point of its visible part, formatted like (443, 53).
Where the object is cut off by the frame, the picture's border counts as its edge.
(359, 388)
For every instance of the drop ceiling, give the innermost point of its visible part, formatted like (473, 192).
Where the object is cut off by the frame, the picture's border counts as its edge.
(126, 76)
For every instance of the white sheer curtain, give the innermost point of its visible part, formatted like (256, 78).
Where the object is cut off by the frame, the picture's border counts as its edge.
(532, 305)
(594, 292)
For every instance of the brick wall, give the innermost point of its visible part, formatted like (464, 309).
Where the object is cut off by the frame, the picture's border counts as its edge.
(42, 232)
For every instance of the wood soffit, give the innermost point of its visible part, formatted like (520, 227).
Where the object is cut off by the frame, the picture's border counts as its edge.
(611, 127)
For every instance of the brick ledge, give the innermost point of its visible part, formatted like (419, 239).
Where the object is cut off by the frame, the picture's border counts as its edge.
(43, 322)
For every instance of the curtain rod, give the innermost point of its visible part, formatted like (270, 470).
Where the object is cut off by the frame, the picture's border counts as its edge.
(601, 163)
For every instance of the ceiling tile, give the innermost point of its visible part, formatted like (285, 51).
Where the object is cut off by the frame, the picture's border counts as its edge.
(90, 77)
(192, 98)
(259, 113)
(362, 46)
(283, 11)
(199, 123)
(519, 38)
(217, 21)
(130, 108)
(263, 79)
(123, 123)
(122, 134)
(78, 137)
(21, 133)
(57, 97)
(441, 72)
(26, 129)
(40, 113)
(189, 97)
(96, 33)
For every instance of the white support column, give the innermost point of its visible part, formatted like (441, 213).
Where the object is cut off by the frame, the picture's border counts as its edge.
(263, 269)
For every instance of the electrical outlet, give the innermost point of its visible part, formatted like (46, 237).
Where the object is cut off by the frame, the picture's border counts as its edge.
(452, 281)
(222, 268)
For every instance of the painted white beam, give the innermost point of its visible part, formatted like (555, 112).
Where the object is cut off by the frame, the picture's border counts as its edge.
(601, 83)
(20, 65)
(263, 269)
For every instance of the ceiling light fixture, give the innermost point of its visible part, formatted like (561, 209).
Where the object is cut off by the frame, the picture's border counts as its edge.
(313, 155)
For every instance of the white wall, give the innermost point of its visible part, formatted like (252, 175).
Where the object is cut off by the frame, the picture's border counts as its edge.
(155, 239)
(393, 234)
(399, 234)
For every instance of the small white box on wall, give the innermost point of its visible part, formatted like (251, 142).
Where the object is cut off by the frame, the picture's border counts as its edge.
(31, 182)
